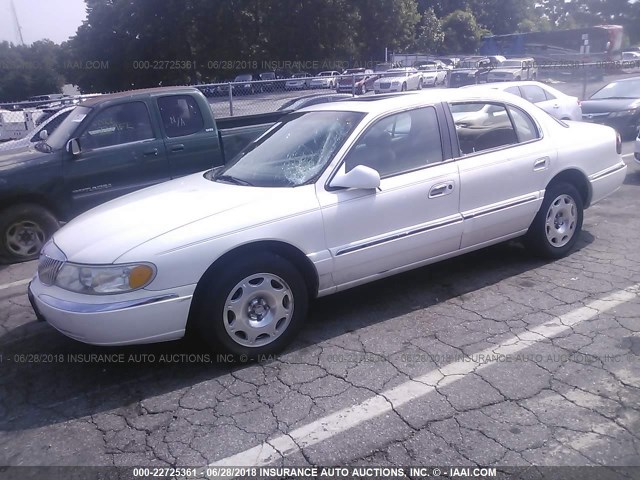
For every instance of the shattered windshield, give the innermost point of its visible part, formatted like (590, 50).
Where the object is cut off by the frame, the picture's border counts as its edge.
(293, 152)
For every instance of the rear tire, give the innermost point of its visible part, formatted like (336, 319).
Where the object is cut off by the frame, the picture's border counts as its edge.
(557, 225)
(24, 229)
(253, 306)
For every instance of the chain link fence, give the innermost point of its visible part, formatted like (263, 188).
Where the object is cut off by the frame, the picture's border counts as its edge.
(251, 97)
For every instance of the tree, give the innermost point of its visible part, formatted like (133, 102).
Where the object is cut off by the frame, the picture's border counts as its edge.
(386, 23)
(430, 36)
(461, 32)
(29, 70)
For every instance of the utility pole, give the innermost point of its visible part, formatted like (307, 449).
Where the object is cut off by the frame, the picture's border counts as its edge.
(17, 23)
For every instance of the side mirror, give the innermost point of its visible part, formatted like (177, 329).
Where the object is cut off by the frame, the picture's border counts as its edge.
(43, 134)
(361, 177)
(73, 146)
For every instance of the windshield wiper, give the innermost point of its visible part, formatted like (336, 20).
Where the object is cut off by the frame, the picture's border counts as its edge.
(234, 180)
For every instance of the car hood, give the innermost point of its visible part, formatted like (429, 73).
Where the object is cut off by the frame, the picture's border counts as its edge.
(465, 72)
(400, 78)
(609, 105)
(107, 232)
(10, 159)
(506, 70)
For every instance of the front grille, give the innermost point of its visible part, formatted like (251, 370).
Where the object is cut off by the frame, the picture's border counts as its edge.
(385, 85)
(48, 269)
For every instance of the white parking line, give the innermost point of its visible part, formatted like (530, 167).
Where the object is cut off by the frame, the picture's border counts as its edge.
(347, 418)
(15, 284)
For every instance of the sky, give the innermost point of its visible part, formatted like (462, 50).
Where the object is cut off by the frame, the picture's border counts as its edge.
(56, 20)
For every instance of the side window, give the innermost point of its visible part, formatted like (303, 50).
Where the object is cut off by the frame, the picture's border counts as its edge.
(399, 143)
(549, 95)
(514, 91)
(533, 93)
(525, 128)
(116, 125)
(180, 115)
(482, 126)
(50, 127)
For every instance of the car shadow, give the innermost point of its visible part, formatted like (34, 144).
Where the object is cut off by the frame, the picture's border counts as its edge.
(48, 379)
(632, 178)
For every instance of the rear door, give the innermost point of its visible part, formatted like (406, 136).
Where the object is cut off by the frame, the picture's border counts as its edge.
(191, 146)
(121, 151)
(504, 163)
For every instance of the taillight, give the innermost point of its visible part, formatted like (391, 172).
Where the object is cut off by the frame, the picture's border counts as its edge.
(618, 143)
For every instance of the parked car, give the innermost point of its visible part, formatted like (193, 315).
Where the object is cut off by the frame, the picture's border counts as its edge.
(514, 69)
(630, 56)
(552, 101)
(45, 127)
(357, 80)
(433, 73)
(298, 81)
(307, 101)
(617, 105)
(470, 71)
(244, 84)
(268, 82)
(107, 147)
(329, 198)
(325, 80)
(398, 80)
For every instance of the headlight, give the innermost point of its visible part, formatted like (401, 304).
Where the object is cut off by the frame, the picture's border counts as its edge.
(625, 113)
(104, 280)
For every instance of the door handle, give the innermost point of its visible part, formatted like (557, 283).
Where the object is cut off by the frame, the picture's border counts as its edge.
(152, 152)
(541, 164)
(441, 189)
(555, 105)
(177, 148)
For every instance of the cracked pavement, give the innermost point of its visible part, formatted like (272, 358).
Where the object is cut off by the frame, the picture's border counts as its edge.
(567, 399)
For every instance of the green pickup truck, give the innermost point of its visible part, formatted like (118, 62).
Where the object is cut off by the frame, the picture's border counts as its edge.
(109, 146)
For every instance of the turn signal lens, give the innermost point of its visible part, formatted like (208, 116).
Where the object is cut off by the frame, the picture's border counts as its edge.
(140, 276)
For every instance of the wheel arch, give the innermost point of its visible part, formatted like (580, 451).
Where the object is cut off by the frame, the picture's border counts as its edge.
(280, 248)
(30, 199)
(579, 180)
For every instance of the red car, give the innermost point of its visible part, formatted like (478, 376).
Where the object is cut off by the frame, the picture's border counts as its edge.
(360, 78)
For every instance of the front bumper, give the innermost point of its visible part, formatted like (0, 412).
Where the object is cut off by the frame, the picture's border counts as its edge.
(142, 317)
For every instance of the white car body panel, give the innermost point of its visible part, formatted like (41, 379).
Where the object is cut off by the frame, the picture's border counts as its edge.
(409, 77)
(350, 237)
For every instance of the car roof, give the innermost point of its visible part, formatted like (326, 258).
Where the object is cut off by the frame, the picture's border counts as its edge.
(501, 86)
(628, 79)
(143, 92)
(380, 104)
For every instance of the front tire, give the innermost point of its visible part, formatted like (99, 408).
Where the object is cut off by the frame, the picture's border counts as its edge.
(253, 306)
(420, 84)
(557, 225)
(24, 229)
(404, 87)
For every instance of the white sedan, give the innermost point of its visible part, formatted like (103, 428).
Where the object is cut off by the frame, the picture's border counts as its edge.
(326, 79)
(330, 197)
(552, 101)
(398, 80)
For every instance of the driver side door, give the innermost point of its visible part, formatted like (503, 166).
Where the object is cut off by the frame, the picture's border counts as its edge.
(413, 217)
